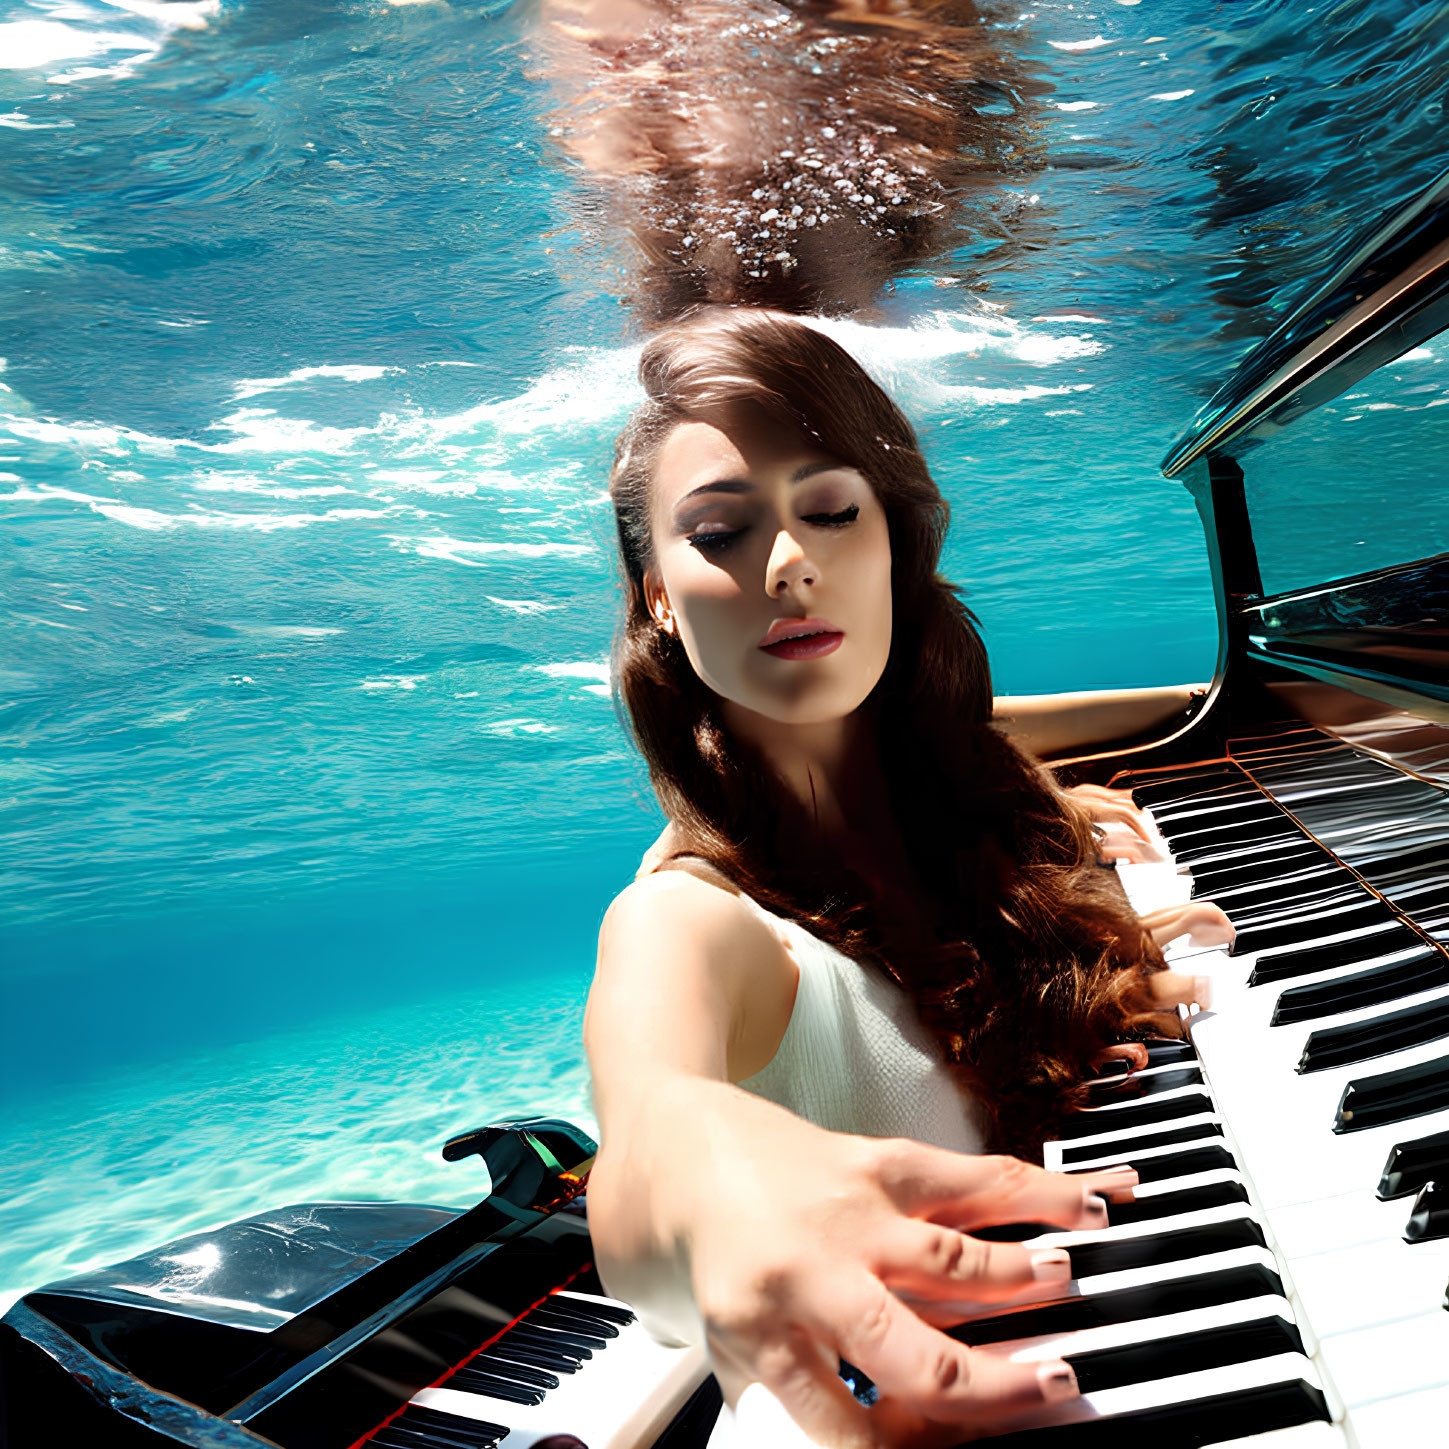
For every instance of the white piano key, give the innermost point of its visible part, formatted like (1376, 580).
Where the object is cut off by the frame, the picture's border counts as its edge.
(1220, 1383)
(1372, 1283)
(1112, 1156)
(1292, 1154)
(1106, 1139)
(1127, 1278)
(1169, 1272)
(1143, 1330)
(1390, 1360)
(1173, 1094)
(1406, 1421)
(1126, 1232)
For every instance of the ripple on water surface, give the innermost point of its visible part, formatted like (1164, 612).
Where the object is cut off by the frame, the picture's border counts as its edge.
(355, 1110)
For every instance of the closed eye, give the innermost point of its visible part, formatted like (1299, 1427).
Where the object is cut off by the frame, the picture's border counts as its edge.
(717, 541)
(834, 520)
(714, 542)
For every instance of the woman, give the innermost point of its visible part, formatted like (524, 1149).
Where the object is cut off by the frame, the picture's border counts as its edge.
(870, 920)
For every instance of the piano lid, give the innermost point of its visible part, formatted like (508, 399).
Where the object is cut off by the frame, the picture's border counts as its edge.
(1387, 292)
(259, 1272)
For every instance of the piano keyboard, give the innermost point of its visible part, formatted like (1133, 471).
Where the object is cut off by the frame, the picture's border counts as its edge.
(1320, 1097)
(1280, 1279)
(577, 1365)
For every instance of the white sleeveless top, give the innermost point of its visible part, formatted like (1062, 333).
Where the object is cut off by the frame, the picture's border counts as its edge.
(855, 1056)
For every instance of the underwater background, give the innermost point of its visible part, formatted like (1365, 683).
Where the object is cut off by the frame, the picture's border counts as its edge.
(311, 790)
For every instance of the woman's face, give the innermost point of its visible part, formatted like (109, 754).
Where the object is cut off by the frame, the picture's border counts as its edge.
(772, 562)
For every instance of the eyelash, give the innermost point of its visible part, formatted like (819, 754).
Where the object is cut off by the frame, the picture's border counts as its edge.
(718, 542)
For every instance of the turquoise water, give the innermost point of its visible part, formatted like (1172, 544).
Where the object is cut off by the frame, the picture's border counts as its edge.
(311, 792)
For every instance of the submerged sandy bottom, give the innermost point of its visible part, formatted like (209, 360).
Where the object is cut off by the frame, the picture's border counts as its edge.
(356, 1109)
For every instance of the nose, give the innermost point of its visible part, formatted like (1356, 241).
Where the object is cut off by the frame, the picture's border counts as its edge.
(788, 567)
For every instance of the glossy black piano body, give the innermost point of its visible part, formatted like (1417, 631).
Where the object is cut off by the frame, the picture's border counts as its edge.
(313, 1326)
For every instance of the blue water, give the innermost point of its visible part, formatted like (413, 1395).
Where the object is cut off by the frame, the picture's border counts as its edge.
(311, 792)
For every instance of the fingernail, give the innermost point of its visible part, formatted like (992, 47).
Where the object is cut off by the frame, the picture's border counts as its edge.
(1095, 1206)
(1202, 991)
(1051, 1265)
(1057, 1381)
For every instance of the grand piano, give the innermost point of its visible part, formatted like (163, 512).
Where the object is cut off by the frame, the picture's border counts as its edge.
(1280, 1279)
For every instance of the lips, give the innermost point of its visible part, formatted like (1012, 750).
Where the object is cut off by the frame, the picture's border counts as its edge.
(801, 638)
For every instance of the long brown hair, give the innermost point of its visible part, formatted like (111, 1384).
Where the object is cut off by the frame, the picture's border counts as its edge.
(1019, 953)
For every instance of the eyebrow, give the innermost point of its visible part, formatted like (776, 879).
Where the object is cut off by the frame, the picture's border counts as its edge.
(741, 485)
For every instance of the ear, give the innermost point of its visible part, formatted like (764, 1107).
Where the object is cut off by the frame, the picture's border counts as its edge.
(657, 601)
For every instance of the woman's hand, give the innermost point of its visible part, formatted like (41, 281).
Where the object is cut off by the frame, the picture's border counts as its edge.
(1204, 924)
(805, 1246)
(1121, 829)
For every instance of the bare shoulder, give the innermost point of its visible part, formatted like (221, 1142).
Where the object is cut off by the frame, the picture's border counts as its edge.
(686, 959)
(687, 911)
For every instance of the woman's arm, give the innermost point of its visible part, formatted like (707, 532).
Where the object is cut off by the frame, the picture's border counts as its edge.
(788, 1247)
(1052, 724)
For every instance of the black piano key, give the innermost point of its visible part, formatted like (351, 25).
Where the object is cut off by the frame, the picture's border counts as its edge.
(518, 1373)
(1394, 1096)
(473, 1381)
(1181, 1164)
(1161, 1051)
(513, 1350)
(1213, 802)
(1184, 1353)
(1294, 890)
(1361, 1041)
(1137, 1114)
(1288, 909)
(1171, 1164)
(1124, 1305)
(1187, 1425)
(1423, 970)
(583, 1344)
(1167, 1138)
(445, 1431)
(397, 1436)
(1170, 1204)
(1013, 1232)
(1245, 830)
(1208, 879)
(1159, 793)
(1264, 848)
(1153, 1086)
(1174, 1246)
(551, 1317)
(615, 1313)
(1311, 924)
(1430, 1218)
(1296, 961)
(1411, 1164)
